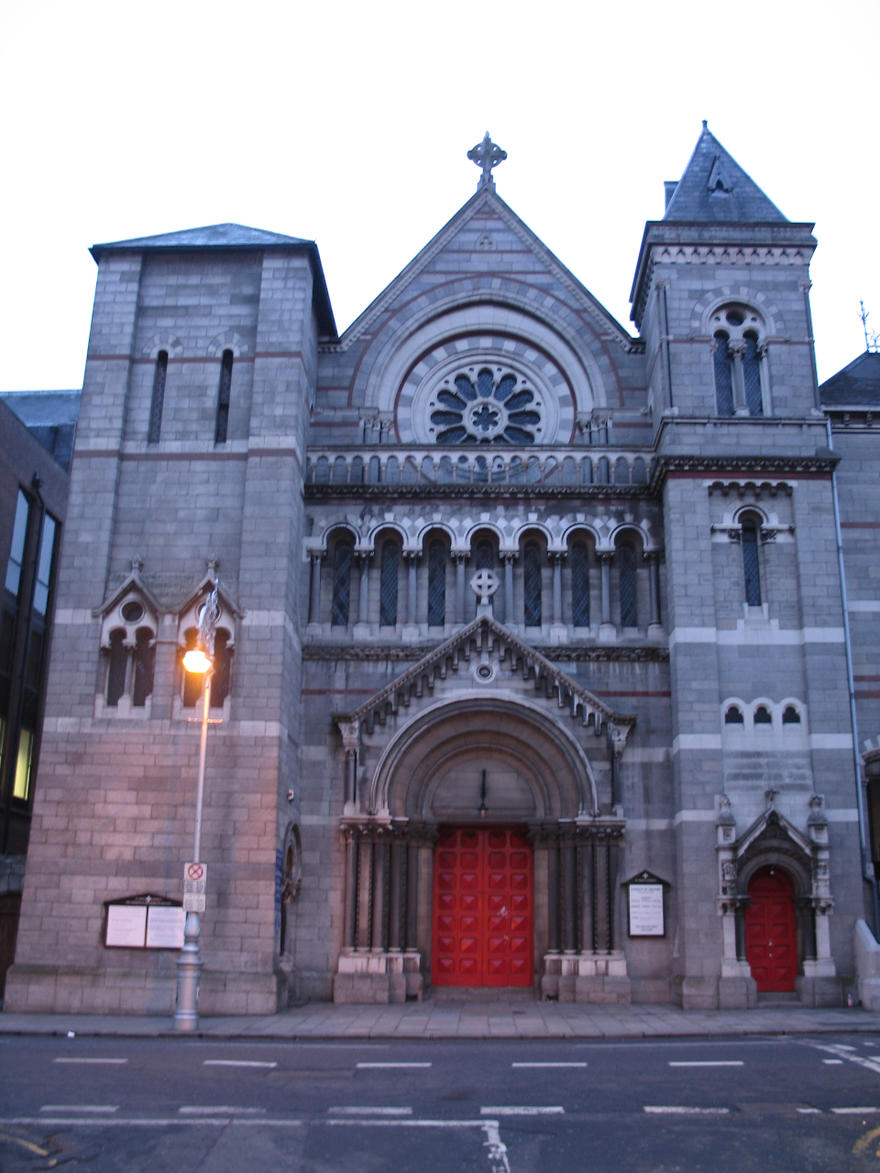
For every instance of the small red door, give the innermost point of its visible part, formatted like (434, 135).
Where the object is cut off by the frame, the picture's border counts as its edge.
(771, 943)
(482, 908)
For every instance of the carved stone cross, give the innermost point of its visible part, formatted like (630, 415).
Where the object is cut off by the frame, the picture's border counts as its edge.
(484, 584)
(486, 155)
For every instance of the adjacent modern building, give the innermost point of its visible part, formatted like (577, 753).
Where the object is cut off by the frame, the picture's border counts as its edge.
(547, 653)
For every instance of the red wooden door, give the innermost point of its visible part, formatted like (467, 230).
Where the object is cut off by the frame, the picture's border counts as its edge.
(482, 908)
(771, 943)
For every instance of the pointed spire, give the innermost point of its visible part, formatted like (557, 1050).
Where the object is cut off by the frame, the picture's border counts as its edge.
(714, 188)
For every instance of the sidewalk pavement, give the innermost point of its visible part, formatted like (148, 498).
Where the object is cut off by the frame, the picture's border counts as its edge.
(441, 1018)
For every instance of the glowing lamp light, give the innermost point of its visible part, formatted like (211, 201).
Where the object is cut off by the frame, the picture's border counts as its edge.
(197, 661)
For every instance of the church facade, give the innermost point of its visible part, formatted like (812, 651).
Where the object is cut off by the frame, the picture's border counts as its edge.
(532, 666)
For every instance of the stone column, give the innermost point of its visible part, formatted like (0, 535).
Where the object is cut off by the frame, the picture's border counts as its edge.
(585, 861)
(556, 559)
(380, 852)
(460, 557)
(412, 895)
(605, 572)
(603, 919)
(569, 896)
(394, 902)
(364, 893)
(653, 560)
(364, 558)
(553, 897)
(351, 873)
(507, 559)
(315, 588)
(736, 349)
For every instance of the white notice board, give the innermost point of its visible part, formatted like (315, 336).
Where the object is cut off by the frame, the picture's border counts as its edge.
(165, 927)
(646, 910)
(126, 925)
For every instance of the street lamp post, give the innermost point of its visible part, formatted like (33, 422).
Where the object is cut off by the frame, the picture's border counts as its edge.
(198, 660)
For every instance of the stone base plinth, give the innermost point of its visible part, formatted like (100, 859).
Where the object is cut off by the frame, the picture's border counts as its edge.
(586, 977)
(378, 977)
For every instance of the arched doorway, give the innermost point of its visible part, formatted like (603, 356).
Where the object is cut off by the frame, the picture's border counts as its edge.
(771, 938)
(482, 922)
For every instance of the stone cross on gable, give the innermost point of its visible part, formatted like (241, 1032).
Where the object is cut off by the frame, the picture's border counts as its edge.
(486, 155)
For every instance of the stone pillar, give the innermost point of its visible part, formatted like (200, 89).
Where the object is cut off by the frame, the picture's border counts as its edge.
(653, 560)
(380, 852)
(364, 591)
(557, 616)
(351, 874)
(569, 896)
(364, 892)
(736, 349)
(315, 589)
(606, 628)
(411, 584)
(553, 897)
(507, 617)
(585, 868)
(602, 893)
(412, 895)
(460, 560)
(394, 901)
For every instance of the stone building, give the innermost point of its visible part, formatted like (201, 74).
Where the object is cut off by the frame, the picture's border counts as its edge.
(532, 666)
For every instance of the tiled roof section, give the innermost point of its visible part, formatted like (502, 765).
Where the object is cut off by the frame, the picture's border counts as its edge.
(715, 189)
(858, 384)
(211, 236)
(238, 237)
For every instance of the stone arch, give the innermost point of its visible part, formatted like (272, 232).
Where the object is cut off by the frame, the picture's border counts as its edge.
(715, 299)
(554, 780)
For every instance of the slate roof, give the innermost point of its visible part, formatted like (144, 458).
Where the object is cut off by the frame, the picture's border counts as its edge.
(715, 189)
(858, 384)
(238, 237)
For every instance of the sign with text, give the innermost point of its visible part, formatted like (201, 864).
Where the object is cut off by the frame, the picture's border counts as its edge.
(195, 879)
(646, 910)
(144, 922)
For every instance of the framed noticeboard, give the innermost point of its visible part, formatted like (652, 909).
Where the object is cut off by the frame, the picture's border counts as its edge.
(645, 904)
(144, 922)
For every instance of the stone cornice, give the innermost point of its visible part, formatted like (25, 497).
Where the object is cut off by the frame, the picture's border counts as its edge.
(730, 467)
(403, 653)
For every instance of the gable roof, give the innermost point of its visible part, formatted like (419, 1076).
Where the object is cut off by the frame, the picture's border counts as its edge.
(486, 635)
(236, 237)
(487, 199)
(715, 189)
(858, 384)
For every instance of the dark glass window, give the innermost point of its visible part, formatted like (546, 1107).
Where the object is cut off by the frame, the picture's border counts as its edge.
(791, 716)
(752, 376)
(436, 583)
(485, 556)
(116, 668)
(580, 585)
(223, 392)
(388, 584)
(221, 677)
(733, 716)
(532, 585)
(44, 566)
(16, 551)
(142, 684)
(158, 397)
(723, 376)
(341, 584)
(751, 567)
(626, 561)
(762, 716)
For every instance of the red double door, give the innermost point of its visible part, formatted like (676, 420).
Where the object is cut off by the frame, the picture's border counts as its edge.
(771, 940)
(482, 908)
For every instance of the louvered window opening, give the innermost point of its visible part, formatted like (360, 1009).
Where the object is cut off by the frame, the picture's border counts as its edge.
(580, 586)
(629, 615)
(436, 584)
(341, 585)
(532, 585)
(388, 584)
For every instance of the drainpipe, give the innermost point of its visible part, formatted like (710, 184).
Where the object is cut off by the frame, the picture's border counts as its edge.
(868, 872)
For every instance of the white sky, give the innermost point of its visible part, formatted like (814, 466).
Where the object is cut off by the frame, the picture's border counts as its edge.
(348, 123)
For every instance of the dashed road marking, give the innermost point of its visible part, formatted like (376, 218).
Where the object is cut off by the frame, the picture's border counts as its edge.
(392, 1066)
(364, 1111)
(833, 1062)
(237, 1063)
(548, 1065)
(853, 1111)
(683, 1110)
(71, 1059)
(218, 1109)
(706, 1063)
(79, 1108)
(523, 1110)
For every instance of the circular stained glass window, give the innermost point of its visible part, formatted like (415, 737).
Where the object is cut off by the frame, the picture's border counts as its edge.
(485, 405)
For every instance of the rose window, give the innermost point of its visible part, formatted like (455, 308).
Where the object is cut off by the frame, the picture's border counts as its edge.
(485, 406)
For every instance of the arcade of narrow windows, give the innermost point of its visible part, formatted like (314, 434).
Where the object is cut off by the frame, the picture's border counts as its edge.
(737, 356)
(535, 587)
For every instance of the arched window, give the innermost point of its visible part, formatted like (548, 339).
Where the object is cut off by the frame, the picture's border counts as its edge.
(436, 583)
(388, 584)
(790, 716)
(734, 716)
(580, 585)
(723, 375)
(220, 679)
(485, 557)
(128, 640)
(751, 566)
(736, 355)
(626, 569)
(341, 598)
(142, 668)
(532, 585)
(158, 397)
(223, 392)
(192, 681)
(752, 374)
(763, 716)
(117, 662)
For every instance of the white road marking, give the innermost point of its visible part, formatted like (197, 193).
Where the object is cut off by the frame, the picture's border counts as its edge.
(840, 1051)
(398, 1066)
(71, 1060)
(522, 1110)
(670, 1110)
(80, 1108)
(707, 1063)
(548, 1065)
(809, 1111)
(150, 1121)
(201, 1110)
(853, 1111)
(833, 1062)
(237, 1063)
(361, 1111)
